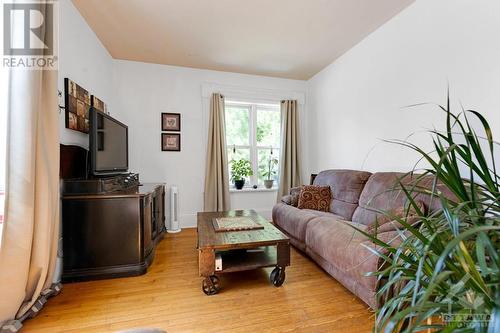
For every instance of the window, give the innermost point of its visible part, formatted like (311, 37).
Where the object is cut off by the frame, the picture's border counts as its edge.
(253, 132)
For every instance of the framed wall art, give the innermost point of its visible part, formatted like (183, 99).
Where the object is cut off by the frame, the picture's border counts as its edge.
(77, 104)
(171, 122)
(170, 142)
(98, 104)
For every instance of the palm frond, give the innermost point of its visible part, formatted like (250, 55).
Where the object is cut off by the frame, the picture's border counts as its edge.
(446, 270)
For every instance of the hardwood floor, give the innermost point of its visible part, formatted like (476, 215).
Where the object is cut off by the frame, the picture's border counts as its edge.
(169, 297)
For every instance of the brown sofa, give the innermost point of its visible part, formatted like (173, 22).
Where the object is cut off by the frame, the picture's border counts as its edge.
(329, 239)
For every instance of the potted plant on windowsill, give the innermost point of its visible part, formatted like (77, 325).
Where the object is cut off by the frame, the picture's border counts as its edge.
(239, 170)
(270, 172)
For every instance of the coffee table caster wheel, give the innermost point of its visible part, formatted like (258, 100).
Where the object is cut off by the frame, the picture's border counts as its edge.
(277, 276)
(210, 285)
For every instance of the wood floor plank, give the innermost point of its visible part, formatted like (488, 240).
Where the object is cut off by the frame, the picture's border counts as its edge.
(169, 297)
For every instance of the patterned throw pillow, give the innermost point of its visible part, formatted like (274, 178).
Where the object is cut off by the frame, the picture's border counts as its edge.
(292, 199)
(315, 197)
(295, 191)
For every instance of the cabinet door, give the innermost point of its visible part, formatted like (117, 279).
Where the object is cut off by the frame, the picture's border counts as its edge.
(147, 207)
(99, 233)
(154, 216)
(160, 212)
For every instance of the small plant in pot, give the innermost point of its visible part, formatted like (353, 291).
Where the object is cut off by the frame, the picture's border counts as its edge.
(239, 170)
(270, 172)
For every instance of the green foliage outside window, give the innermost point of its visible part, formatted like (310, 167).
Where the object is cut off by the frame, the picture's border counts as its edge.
(237, 126)
(268, 128)
(270, 170)
(256, 146)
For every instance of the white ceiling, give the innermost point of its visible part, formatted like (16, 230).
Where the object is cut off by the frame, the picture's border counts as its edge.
(282, 38)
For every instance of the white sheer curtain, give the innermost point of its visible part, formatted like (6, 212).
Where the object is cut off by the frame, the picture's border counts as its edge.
(4, 75)
(28, 246)
(31, 227)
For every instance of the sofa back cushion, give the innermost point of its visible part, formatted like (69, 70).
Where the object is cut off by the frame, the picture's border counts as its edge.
(346, 187)
(382, 192)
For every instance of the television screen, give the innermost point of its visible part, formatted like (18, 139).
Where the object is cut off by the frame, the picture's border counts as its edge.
(108, 144)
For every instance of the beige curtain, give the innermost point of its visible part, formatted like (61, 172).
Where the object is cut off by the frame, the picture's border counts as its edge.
(30, 234)
(216, 195)
(290, 148)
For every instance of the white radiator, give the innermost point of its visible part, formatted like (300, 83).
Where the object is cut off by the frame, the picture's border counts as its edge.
(174, 210)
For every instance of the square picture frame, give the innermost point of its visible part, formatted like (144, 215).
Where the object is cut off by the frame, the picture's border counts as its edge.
(170, 142)
(98, 104)
(170, 122)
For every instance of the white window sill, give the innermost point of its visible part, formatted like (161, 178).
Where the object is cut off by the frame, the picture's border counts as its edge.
(251, 189)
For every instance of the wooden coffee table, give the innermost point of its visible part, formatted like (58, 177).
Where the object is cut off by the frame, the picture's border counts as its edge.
(273, 249)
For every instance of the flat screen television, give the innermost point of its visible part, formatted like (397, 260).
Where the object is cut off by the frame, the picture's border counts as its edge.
(108, 144)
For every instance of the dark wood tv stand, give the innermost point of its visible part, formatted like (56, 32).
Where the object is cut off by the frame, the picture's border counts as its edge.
(110, 225)
(111, 235)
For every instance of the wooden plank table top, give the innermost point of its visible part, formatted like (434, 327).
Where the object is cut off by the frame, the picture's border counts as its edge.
(209, 239)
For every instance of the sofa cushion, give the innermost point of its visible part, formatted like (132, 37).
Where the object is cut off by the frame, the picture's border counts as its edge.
(346, 187)
(341, 245)
(391, 225)
(315, 197)
(382, 192)
(433, 204)
(348, 250)
(389, 222)
(292, 220)
(323, 214)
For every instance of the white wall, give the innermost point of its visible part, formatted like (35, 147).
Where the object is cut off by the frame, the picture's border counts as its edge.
(351, 105)
(143, 91)
(83, 59)
(137, 93)
(356, 101)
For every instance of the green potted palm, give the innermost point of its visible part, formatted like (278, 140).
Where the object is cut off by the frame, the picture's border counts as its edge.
(239, 170)
(444, 275)
(270, 172)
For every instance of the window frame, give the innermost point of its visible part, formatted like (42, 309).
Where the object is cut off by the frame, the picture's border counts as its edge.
(253, 146)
